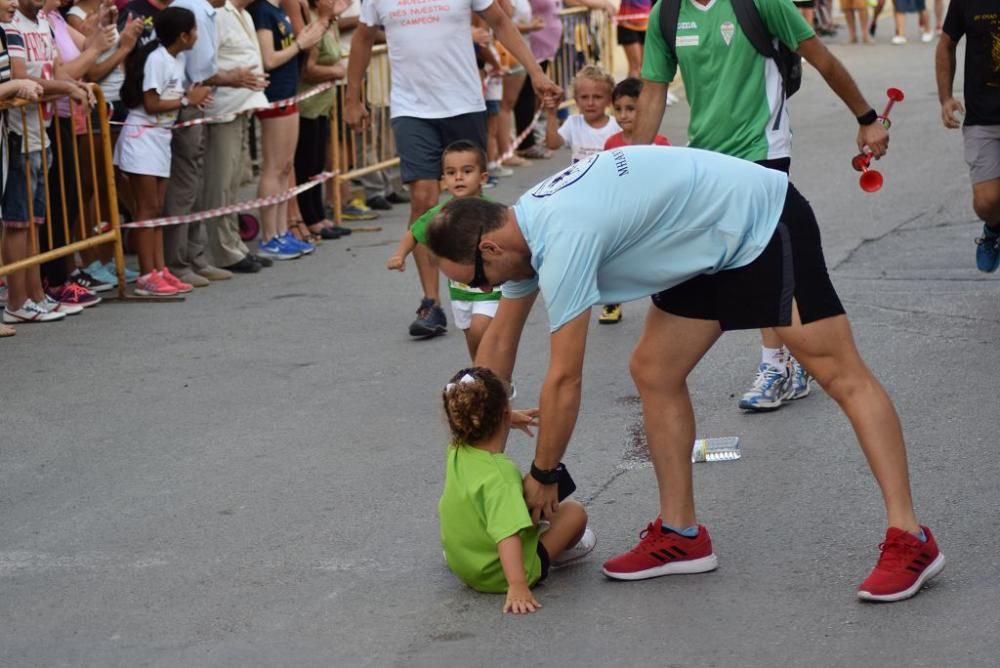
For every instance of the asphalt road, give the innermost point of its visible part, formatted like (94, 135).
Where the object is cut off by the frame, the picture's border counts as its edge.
(250, 478)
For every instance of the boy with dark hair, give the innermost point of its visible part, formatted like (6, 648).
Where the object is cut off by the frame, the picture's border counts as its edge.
(465, 174)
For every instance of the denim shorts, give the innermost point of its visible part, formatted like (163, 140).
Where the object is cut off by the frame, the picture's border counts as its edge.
(15, 196)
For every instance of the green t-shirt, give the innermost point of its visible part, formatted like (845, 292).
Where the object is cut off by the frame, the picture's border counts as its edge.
(458, 291)
(483, 503)
(737, 105)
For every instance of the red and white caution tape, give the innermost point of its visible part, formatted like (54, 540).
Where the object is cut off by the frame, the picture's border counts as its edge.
(509, 153)
(224, 117)
(235, 208)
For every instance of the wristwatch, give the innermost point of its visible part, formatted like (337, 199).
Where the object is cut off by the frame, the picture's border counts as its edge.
(185, 101)
(546, 477)
(868, 117)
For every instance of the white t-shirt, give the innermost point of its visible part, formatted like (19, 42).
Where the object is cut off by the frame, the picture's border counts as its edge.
(584, 140)
(32, 42)
(522, 11)
(432, 59)
(164, 74)
(238, 47)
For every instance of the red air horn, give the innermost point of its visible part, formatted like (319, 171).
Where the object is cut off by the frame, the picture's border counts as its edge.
(871, 179)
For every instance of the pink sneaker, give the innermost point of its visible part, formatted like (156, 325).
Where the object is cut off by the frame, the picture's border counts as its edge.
(175, 282)
(154, 285)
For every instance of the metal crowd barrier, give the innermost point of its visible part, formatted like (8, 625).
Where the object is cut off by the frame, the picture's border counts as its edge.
(587, 39)
(78, 235)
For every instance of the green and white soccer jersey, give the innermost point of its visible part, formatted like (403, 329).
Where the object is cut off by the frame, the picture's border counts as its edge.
(458, 291)
(737, 104)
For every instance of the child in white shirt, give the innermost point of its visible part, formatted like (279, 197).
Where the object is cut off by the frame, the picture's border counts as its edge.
(586, 132)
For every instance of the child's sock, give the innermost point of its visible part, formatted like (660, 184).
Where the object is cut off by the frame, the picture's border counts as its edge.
(773, 356)
(922, 537)
(689, 532)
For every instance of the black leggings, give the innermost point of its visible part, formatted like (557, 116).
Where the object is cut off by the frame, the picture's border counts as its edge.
(524, 109)
(310, 160)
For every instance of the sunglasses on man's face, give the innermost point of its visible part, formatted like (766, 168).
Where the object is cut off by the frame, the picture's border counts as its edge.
(479, 278)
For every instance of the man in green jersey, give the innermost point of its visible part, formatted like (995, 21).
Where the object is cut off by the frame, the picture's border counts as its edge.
(739, 107)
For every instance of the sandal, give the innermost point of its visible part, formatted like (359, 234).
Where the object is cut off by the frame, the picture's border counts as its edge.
(6, 331)
(326, 231)
(303, 233)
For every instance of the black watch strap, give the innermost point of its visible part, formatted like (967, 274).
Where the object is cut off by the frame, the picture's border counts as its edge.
(546, 477)
(868, 117)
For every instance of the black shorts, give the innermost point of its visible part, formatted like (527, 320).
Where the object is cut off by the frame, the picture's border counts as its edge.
(629, 36)
(760, 294)
(543, 554)
(420, 141)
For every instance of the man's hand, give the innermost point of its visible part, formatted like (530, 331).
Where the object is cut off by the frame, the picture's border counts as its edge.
(524, 420)
(29, 90)
(875, 137)
(546, 90)
(246, 77)
(542, 500)
(199, 95)
(396, 263)
(949, 109)
(356, 114)
(520, 600)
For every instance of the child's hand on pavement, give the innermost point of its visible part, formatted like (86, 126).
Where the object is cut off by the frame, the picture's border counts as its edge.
(396, 262)
(520, 600)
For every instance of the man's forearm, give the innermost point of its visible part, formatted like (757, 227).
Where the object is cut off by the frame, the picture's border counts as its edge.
(841, 83)
(652, 104)
(559, 407)
(944, 69)
(357, 64)
(497, 354)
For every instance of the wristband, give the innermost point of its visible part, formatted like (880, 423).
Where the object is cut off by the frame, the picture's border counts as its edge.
(185, 101)
(868, 117)
(546, 477)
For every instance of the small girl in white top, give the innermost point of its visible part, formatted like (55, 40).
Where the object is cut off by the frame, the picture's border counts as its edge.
(154, 91)
(586, 132)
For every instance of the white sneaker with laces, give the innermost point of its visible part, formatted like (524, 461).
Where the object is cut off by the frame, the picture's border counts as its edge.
(583, 547)
(898, 39)
(55, 306)
(30, 312)
(927, 37)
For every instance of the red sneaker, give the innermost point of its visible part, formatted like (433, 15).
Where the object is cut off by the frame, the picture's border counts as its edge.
(174, 282)
(905, 565)
(660, 553)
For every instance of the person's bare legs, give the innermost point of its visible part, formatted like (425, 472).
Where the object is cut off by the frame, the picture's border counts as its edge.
(938, 15)
(566, 527)
(863, 25)
(633, 54)
(900, 20)
(474, 334)
(851, 29)
(15, 248)
(668, 350)
(986, 202)
(511, 89)
(278, 139)
(424, 195)
(826, 349)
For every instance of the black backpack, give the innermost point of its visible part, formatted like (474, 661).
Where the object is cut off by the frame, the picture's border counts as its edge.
(789, 63)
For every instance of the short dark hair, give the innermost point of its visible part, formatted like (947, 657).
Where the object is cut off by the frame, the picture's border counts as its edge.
(452, 233)
(465, 146)
(630, 87)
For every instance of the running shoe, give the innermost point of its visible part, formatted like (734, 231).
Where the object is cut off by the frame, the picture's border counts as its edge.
(130, 274)
(610, 314)
(905, 564)
(663, 552)
(800, 382)
(927, 37)
(491, 182)
(430, 321)
(583, 547)
(357, 210)
(499, 171)
(275, 250)
(30, 312)
(154, 285)
(83, 279)
(898, 40)
(290, 242)
(55, 306)
(177, 284)
(988, 250)
(100, 272)
(769, 388)
(74, 295)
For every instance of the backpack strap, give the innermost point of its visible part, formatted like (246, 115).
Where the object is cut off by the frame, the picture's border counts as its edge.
(670, 10)
(753, 27)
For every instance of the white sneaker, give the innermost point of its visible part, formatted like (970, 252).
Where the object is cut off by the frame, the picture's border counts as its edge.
(582, 548)
(31, 312)
(898, 39)
(672, 99)
(499, 171)
(55, 306)
(927, 37)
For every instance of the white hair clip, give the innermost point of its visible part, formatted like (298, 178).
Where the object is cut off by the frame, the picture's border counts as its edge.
(467, 378)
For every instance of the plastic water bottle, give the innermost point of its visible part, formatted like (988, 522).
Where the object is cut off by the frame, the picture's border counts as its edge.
(724, 449)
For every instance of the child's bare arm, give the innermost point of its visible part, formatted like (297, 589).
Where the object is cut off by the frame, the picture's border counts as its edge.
(553, 139)
(405, 247)
(519, 600)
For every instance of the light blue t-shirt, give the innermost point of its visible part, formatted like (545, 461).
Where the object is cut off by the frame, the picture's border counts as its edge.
(628, 223)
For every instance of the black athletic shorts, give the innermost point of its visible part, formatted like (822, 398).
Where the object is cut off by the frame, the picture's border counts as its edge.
(420, 141)
(543, 554)
(760, 294)
(629, 36)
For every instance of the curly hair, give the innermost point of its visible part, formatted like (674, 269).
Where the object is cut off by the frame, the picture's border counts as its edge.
(474, 403)
(594, 73)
